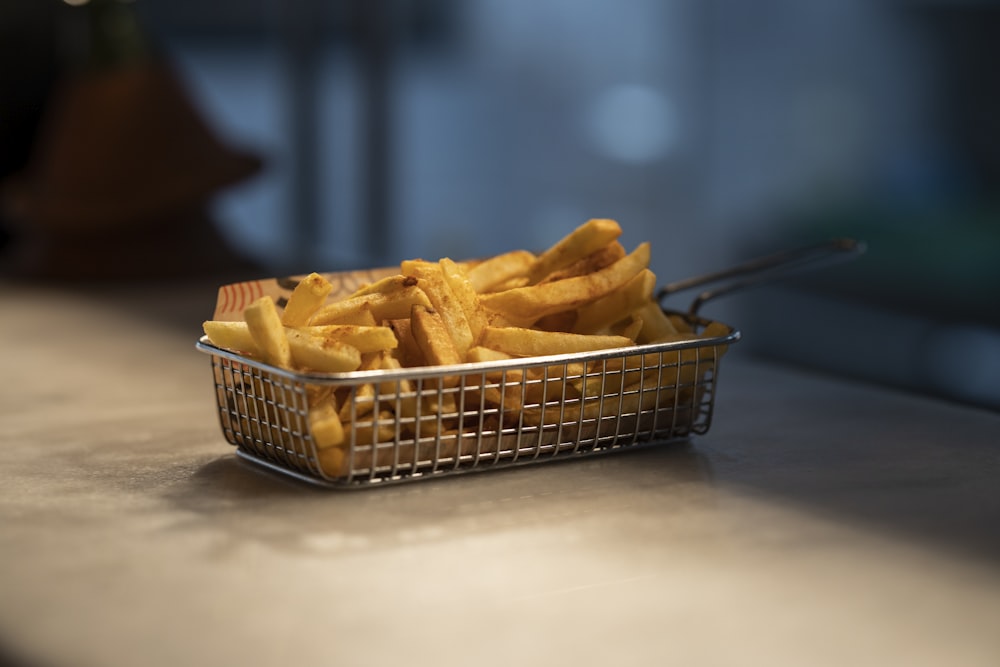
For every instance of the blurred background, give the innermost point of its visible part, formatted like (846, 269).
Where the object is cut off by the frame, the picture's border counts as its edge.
(267, 138)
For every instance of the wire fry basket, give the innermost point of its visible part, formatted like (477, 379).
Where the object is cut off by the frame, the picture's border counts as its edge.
(420, 423)
(426, 422)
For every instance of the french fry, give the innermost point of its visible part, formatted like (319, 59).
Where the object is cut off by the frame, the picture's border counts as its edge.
(365, 338)
(307, 297)
(522, 342)
(497, 270)
(231, 335)
(617, 305)
(632, 328)
(325, 426)
(408, 352)
(267, 332)
(432, 337)
(595, 261)
(383, 306)
(325, 355)
(361, 316)
(468, 298)
(431, 279)
(582, 241)
(656, 326)
(525, 305)
(359, 403)
(386, 285)
(480, 354)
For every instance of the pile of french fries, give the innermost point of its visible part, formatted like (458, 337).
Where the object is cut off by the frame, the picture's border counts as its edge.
(584, 293)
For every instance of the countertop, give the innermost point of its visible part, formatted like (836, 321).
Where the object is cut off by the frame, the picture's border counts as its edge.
(819, 522)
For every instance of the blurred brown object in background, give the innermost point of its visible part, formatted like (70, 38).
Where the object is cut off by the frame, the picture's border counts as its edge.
(119, 180)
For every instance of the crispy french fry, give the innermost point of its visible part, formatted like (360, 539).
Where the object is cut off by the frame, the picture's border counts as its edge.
(388, 306)
(267, 332)
(656, 326)
(400, 395)
(333, 461)
(563, 321)
(360, 316)
(432, 337)
(359, 404)
(595, 261)
(325, 355)
(408, 352)
(364, 338)
(481, 354)
(525, 305)
(465, 293)
(359, 401)
(617, 305)
(632, 328)
(582, 241)
(386, 285)
(373, 429)
(431, 279)
(307, 297)
(523, 342)
(231, 335)
(679, 323)
(325, 426)
(489, 273)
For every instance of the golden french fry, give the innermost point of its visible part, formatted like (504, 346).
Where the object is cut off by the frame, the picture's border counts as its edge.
(325, 355)
(511, 283)
(267, 332)
(386, 285)
(488, 387)
(432, 337)
(231, 336)
(611, 375)
(359, 403)
(325, 426)
(364, 338)
(373, 429)
(307, 297)
(525, 305)
(479, 354)
(465, 293)
(333, 461)
(408, 352)
(489, 273)
(400, 395)
(388, 306)
(361, 316)
(582, 241)
(656, 326)
(595, 261)
(680, 323)
(431, 279)
(632, 328)
(523, 342)
(563, 321)
(617, 305)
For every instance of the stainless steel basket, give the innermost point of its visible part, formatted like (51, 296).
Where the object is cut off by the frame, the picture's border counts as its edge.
(420, 423)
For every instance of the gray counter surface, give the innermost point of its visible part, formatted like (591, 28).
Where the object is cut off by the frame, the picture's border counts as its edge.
(820, 522)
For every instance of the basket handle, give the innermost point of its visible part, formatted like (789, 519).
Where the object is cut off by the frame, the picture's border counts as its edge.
(766, 269)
